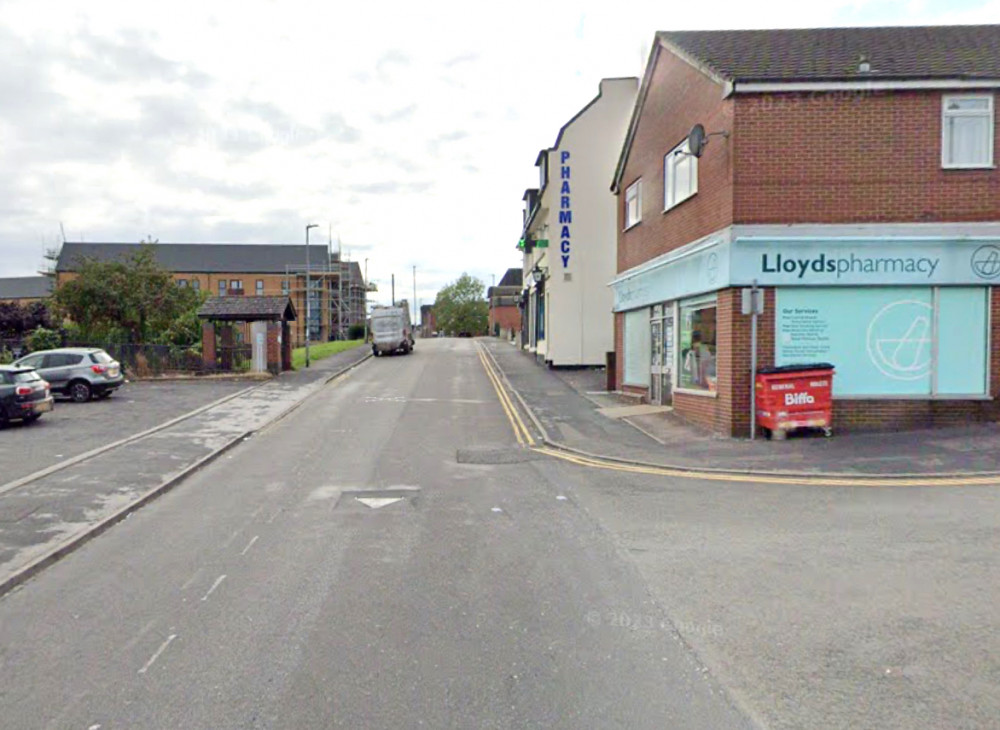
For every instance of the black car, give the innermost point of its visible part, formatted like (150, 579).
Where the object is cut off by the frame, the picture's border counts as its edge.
(23, 395)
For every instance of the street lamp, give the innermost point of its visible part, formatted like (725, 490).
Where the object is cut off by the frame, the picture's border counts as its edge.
(365, 312)
(308, 293)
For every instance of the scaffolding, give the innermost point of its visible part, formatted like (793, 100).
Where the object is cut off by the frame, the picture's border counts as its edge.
(339, 296)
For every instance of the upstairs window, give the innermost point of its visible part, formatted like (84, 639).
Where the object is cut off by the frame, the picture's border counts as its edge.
(182, 283)
(222, 287)
(196, 283)
(967, 131)
(680, 176)
(260, 287)
(633, 204)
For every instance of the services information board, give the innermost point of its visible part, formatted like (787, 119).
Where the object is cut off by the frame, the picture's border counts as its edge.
(883, 341)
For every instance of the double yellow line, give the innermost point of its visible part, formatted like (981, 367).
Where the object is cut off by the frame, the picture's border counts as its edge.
(524, 437)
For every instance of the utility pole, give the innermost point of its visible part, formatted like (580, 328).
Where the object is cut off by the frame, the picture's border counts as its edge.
(414, 309)
(308, 293)
(394, 290)
(365, 309)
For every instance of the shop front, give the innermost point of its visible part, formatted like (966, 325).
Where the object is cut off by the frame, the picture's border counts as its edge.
(909, 324)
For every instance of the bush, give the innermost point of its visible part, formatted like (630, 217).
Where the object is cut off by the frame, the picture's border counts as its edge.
(44, 339)
(356, 332)
(6, 357)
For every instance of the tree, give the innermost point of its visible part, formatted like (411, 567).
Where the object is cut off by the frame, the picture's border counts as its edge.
(132, 298)
(461, 307)
(18, 319)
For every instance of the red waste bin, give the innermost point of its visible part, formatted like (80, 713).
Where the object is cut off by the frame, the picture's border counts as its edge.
(795, 396)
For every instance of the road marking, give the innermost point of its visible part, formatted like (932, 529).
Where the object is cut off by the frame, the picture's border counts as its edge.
(214, 586)
(256, 512)
(142, 632)
(232, 537)
(249, 545)
(192, 579)
(274, 516)
(163, 648)
(378, 502)
(805, 480)
(521, 431)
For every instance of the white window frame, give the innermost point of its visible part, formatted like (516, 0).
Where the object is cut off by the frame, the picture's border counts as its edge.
(946, 114)
(677, 156)
(633, 191)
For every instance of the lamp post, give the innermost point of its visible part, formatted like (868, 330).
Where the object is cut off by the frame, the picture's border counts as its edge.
(365, 312)
(308, 293)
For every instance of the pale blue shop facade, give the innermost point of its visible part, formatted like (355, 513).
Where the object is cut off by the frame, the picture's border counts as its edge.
(902, 312)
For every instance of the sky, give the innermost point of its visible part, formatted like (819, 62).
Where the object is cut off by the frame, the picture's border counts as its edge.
(406, 131)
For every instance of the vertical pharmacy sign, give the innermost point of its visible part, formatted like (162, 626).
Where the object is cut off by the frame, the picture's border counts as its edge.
(565, 208)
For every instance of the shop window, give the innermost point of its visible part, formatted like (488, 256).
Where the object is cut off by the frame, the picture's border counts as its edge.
(697, 350)
(888, 341)
(637, 348)
(633, 204)
(680, 176)
(967, 131)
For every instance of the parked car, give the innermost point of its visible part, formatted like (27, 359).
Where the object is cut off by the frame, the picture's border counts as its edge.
(78, 372)
(24, 396)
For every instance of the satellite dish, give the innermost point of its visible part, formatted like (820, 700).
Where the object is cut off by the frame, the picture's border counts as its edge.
(696, 140)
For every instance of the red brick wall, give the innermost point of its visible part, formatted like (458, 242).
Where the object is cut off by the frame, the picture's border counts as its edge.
(509, 318)
(842, 157)
(679, 97)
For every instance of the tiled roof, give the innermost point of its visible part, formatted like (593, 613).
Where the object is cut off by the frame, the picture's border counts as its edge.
(511, 278)
(25, 287)
(221, 258)
(247, 308)
(919, 52)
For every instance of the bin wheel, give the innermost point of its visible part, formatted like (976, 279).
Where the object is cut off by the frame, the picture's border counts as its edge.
(828, 432)
(765, 432)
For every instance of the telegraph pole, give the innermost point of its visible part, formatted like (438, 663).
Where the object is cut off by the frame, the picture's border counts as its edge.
(414, 309)
(365, 309)
(394, 290)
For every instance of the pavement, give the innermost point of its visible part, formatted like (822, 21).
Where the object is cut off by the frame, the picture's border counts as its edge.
(344, 568)
(42, 518)
(569, 405)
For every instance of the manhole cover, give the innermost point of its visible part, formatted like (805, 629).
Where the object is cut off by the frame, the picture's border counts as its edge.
(495, 456)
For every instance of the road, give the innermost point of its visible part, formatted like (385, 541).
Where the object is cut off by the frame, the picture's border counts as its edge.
(470, 588)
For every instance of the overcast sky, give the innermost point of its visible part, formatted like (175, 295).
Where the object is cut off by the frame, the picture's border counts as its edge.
(410, 128)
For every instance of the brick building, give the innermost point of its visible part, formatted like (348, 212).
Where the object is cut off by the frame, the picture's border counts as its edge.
(229, 269)
(25, 289)
(851, 174)
(504, 300)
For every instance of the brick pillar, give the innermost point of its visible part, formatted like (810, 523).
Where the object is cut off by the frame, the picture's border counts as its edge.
(274, 348)
(208, 345)
(286, 346)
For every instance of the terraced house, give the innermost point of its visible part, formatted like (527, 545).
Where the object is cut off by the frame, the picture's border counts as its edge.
(851, 175)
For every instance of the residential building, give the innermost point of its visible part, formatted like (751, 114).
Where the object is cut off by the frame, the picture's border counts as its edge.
(25, 289)
(228, 269)
(569, 233)
(504, 300)
(428, 323)
(850, 173)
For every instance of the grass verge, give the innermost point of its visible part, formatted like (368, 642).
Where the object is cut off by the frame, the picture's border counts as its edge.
(320, 350)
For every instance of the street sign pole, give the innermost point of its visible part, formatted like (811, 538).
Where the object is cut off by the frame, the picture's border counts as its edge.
(753, 304)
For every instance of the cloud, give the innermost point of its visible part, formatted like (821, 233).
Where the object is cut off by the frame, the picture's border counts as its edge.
(398, 115)
(390, 187)
(463, 58)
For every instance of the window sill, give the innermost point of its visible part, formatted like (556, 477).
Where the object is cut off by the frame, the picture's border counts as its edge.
(629, 228)
(968, 167)
(925, 397)
(702, 393)
(680, 202)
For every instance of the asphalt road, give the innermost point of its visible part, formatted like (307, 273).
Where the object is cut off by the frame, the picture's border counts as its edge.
(75, 428)
(263, 593)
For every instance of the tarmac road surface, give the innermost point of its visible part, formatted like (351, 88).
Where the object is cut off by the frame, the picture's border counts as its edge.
(385, 557)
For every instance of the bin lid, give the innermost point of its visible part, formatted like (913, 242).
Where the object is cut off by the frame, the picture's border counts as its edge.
(794, 368)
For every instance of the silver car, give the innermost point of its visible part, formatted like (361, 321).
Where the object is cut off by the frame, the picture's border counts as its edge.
(81, 373)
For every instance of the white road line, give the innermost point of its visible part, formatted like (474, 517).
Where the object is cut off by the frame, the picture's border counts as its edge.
(256, 512)
(192, 579)
(142, 632)
(163, 648)
(274, 516)
(214, 586)
(249, 545)
(231, 538)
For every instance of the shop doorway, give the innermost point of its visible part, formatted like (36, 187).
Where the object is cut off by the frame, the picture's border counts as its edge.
(661, 330)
